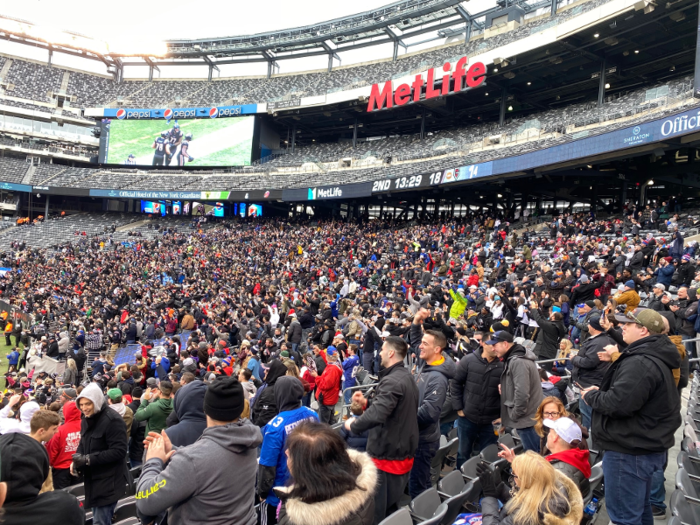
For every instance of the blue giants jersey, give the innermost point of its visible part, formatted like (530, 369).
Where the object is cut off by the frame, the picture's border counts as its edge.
(275, 442)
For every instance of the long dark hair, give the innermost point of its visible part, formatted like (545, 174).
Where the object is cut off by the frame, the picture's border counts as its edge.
(319, 463)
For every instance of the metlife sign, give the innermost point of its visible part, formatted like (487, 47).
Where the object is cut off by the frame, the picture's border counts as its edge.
(325, 193)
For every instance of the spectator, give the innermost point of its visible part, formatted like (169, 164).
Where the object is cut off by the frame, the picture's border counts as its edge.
(272, 470)
(629, 297)
(391, 416)
(194, 482)
(588, 368)
(334, 485)
(474, 394)
(24, 466)
(101, 455)
(263, 407)
(189, 414)
(355, 441)
(432, 376)
(328, 386)
(27, 409)
(549, 334)
(115, 401)
(636, 411)
(350, 365)
(156, 405)
(521, 393)
(543, 494)
(62, 446)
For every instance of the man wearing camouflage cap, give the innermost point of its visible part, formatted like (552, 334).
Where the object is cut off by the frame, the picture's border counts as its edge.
(636, 411)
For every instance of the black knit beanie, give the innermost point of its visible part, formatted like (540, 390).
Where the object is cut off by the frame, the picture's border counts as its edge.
(224, 399)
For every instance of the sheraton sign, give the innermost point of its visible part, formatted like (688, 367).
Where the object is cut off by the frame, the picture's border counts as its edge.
(462, 79)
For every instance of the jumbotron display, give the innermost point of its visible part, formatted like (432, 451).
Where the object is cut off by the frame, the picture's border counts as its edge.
(197, 142)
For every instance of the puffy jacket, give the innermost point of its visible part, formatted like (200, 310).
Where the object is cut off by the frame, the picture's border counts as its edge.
(685, 321)
(548, 337)
(355, 507)
(188, 406)
(458, 306)
(521, 392)
(328, 385)
(294, 333)
(637, 409)
(155, 413)
(588, 369)
(433, 382)
(560, 511)
(64, 442)
(630, 298)
(474, 388)
(575, 465)
(664, 275)
(585, 292)
(391, 416)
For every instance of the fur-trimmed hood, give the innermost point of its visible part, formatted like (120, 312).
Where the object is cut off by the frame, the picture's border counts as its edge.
(347, 508)
(573, 517)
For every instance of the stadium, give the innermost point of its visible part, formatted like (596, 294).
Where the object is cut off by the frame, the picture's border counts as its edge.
(420, 163)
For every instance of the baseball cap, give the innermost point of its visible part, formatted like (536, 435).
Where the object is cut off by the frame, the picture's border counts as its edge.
(629, 284)
(660, 286)
(114, 394)
(566, 428)
(151, 382)
(646, 317)
(331, 350)
(500, 336)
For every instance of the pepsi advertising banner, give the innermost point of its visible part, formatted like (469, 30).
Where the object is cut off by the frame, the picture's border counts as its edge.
(180, 113)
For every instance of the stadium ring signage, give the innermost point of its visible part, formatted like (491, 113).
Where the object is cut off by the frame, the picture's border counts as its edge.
(181, 113)
(389, 97)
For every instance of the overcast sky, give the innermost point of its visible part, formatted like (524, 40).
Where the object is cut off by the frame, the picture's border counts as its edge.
(183, 19)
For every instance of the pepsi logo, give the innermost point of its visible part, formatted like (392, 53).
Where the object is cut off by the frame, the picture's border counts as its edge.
(121, 114)
(213, 112)
(168, 114)
(267, 194)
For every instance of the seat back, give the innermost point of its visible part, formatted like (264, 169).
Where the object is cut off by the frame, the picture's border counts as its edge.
(455, 504)
(690, 466)
(424, 505)
(469, 467)
(77, 490)
(595, 480)
(437, 516)
(507, 440)
(490, 454)
(400, 517)
(684, 483)
(129, 521)
(126, 508)
(452, 484)
(683, 509)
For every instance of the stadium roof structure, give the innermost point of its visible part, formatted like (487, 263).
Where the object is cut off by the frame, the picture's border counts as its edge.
(394, 23)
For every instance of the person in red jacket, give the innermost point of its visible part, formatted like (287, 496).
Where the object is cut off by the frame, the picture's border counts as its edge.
(328, 386)
(63, 445)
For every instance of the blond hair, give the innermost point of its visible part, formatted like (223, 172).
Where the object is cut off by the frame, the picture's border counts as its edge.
(538, 489)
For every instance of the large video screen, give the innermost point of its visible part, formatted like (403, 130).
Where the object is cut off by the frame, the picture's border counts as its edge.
(201, 209)
(198, 142)
(157, 208)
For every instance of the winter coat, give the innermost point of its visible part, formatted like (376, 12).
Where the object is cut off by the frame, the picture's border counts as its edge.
(474, 388)
(355, 507)
(563, 511)
(63, 343)
(103, 437)
(354, 441)
(585, 292)
(188, 405)
(64, 442)
(664, 275)
(294, 333)
(548, 336)
(521, 393)
(637, 409)
(433, 382)
(155, 413)
(391, 416)
(575, 465)
(685, 322)
(588, 369)
(630, 298)
(70, 377)
(263, 406)
(328, 385)
(458, 306)
(195, 486)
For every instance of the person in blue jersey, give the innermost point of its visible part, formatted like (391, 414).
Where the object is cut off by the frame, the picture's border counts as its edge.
(349, 369)
(272, 470)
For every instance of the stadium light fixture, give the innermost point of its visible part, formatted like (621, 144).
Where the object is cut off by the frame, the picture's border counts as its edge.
(596, 35)
(607, 86)
(499, 195)
(636, 51)
(495, 70)
(486, 94)
(529, 83)
(510, 108)
(650, 182)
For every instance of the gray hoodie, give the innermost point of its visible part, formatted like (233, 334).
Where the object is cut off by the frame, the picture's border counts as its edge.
(210, 482)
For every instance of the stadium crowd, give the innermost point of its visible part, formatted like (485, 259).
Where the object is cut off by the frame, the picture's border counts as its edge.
(247, 336)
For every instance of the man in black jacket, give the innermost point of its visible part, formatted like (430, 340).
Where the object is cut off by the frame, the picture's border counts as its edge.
(432, 374)
(391, 416)
(588, 368)
(477, 400)
(101, 455)
(549, 334)
(635, 414)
